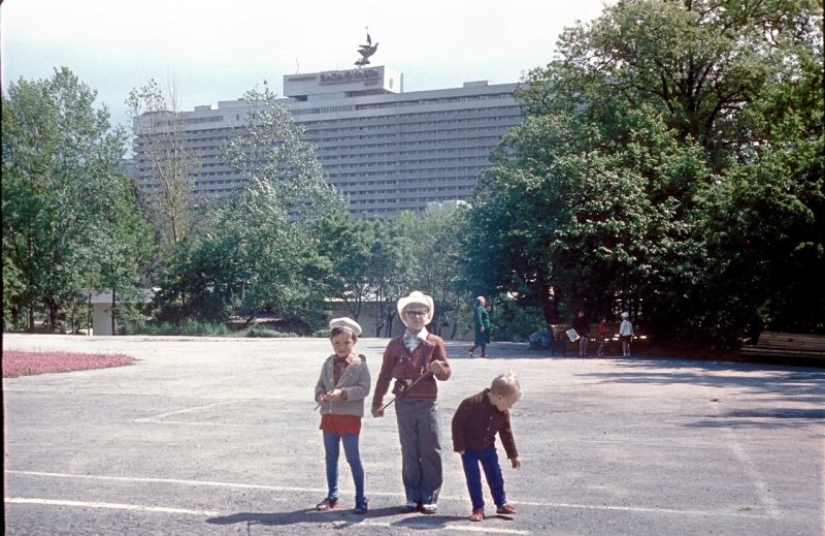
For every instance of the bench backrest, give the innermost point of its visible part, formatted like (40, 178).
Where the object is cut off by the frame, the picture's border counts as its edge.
(779, 339)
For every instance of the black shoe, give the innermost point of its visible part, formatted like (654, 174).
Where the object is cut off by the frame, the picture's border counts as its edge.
(361, 507)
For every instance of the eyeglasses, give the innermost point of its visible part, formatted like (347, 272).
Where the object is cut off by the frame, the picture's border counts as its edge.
(416, 313)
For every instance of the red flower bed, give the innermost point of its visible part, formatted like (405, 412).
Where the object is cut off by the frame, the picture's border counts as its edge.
(18, 363)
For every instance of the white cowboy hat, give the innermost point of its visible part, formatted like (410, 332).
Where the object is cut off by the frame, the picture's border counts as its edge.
(419, 298)
(625, 315)
(347, 323)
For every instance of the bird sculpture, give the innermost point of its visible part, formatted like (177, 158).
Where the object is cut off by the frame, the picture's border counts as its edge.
(366, 51)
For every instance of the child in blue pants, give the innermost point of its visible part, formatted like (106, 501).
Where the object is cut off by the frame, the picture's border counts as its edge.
(340, 391)
(475, 424)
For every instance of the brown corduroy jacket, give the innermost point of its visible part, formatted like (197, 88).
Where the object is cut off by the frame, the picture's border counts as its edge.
(476, 423)
(399, 363)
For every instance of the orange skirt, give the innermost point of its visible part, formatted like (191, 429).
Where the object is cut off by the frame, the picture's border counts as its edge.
(340, 424)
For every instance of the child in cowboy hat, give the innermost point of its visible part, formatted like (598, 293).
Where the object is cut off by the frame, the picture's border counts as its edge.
(414, 360)
(340, 392)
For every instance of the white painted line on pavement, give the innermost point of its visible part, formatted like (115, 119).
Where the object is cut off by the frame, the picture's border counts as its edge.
(642, 509)
(209, 513)
(232, 485)
(112, 506)
(194, 423)
(187, 410)
(822, 479)
(457, 528)
(168, 481)
(764, 496)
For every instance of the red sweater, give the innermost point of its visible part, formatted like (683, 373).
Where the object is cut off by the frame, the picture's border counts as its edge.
(399, 363)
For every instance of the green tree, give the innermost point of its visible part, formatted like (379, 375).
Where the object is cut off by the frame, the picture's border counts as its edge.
(347, 245)
(62, 164)
(158, 130)
(641, 172)
(434, 252)
(271, 153)
(393, 269)
(258, 250)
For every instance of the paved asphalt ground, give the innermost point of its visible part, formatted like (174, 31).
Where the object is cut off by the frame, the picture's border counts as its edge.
(218, 436)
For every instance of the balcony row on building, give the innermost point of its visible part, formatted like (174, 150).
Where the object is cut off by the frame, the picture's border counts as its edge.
(385, 150)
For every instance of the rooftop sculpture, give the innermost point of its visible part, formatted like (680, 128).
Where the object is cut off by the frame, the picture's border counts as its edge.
(366, 51)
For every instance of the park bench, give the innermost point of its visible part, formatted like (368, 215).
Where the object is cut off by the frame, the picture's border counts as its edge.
(556, 340)
(780, 344)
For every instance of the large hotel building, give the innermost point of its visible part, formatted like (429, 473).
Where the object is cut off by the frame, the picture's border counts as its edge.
(387, 151)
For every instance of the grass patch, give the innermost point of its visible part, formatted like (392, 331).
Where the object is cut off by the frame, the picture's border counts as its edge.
(19, 363)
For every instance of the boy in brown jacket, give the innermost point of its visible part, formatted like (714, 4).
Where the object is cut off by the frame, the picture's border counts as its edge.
(475, 424)
(412, 362)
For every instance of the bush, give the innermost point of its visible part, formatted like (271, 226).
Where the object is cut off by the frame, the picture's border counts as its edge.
(514, 323)
(196, 328)
(262, 331)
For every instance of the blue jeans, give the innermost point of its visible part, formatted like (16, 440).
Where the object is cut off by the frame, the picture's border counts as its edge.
(492, 470)
(332, 448)
(419, 431)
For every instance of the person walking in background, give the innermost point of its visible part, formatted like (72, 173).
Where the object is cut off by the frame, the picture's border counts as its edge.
(582, 327)
(475, 424)
(481, 322)
(602, 331)
(340, 393)
(626, 334)
(415, 360)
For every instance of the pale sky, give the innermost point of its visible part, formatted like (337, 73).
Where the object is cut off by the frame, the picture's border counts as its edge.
(212, 51)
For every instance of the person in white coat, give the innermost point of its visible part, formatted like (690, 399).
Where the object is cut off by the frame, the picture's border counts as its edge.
(625, 334)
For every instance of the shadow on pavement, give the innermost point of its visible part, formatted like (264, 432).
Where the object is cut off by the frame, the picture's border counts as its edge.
(338, 517)
(287, 518)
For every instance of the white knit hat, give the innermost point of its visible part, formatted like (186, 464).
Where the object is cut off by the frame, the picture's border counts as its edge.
(345, 322)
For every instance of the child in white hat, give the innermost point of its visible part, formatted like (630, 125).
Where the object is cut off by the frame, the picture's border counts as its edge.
(625, 334)
(414, 360)
(340, 392)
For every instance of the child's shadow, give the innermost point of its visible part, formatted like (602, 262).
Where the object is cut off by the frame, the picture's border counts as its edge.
(346, 517)
(286, 518)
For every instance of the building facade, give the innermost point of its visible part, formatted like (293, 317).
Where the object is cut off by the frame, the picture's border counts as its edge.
(387, 151)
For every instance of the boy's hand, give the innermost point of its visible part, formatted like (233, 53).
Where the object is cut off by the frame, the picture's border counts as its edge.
(377, 412)
(437, 367)
(516, 462)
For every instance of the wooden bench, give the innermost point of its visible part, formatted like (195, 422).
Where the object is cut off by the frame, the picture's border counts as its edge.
(780, 344)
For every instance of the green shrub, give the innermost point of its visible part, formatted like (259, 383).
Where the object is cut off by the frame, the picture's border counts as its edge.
(514, 323)
(197, 328)
(262, 331)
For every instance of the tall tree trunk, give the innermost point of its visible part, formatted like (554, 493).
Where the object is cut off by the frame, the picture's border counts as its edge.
(90, 317)
(54, 311)
(114, 301)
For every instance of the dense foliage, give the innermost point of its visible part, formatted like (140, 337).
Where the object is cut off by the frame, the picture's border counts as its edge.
(70, 213)
(670, 163)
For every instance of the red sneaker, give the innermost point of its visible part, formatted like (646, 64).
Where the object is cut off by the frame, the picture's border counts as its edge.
(506, 510)
(477, 515)
(326, 505)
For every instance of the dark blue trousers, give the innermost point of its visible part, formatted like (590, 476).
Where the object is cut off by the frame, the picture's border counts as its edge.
(488, 458)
